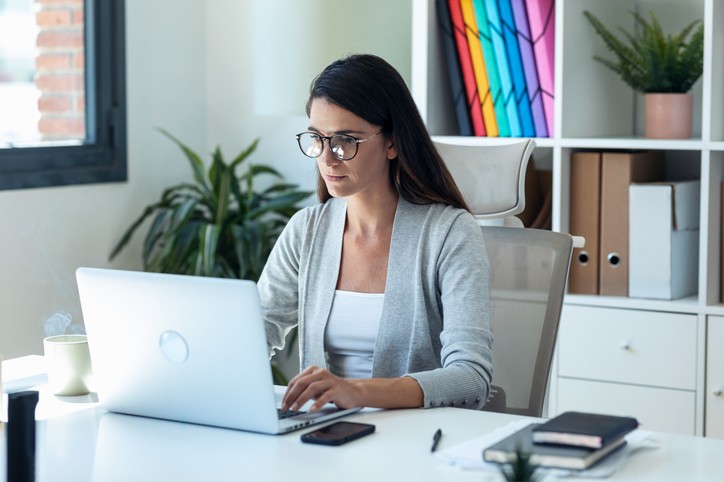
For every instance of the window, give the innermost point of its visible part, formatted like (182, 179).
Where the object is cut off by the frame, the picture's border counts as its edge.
(62, 92)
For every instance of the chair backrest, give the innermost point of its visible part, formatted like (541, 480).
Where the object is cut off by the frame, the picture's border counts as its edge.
(491, 178)
(529, 268)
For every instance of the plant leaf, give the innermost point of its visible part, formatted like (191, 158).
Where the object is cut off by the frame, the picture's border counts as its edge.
(281, 186)
(208, 241)
(155, 234)
(277, 203)
(257, 169)
(197, 166)
(221, 177)
(164, 247)
(651, 61)
(149, 210)
(244, 154)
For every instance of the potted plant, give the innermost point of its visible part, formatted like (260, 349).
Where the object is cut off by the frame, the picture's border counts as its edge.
(662, 67)
(219, 225)
(520, 469)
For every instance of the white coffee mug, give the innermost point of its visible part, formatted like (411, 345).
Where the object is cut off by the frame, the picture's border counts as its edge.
(68, 364)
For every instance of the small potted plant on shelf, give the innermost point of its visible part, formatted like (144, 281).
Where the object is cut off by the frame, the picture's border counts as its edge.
(219, 225)
(662, 67)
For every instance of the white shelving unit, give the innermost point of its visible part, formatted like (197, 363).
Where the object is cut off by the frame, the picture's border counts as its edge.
(594, 109)
(715, 377)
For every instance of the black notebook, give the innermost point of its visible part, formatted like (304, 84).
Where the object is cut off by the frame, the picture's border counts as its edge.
(545, 455)
(581, 429)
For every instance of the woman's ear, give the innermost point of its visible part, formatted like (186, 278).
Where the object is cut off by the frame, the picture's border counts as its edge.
(391, 149)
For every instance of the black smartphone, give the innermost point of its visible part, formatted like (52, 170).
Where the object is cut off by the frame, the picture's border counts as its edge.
(338, 433)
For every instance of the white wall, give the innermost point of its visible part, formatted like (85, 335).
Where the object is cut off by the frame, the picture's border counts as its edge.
(382, 27)
(189, 70)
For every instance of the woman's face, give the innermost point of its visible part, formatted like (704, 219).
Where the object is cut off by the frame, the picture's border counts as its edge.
(367, 174)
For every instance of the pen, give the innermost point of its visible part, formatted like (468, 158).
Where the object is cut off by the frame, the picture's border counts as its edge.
(436, 440)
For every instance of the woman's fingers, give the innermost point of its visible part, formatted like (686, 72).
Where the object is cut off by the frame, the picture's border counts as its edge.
(315, 390)
(319, 385)
(299, 392)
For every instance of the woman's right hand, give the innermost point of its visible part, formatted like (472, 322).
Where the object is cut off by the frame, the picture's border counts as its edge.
(318, 384)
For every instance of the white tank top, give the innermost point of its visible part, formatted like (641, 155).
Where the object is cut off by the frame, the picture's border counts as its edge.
(349, 339)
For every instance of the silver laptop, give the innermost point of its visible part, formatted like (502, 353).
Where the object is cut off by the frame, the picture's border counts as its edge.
(184, 348)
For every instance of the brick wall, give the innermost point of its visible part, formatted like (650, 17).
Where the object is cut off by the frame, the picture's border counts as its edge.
(60, 69)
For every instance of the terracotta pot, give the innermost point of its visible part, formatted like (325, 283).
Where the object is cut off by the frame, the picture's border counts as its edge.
(668, 116)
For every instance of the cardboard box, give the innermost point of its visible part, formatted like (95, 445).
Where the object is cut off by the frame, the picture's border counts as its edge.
(664, 239)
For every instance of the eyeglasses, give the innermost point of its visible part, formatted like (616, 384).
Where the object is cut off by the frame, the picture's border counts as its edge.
(342, 146)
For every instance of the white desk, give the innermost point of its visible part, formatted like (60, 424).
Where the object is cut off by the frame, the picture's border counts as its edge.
(84, 443)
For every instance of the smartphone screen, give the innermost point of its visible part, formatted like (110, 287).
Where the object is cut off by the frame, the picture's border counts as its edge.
(338, 433)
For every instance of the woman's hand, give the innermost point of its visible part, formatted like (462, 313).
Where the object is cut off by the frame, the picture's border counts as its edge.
(320, 385)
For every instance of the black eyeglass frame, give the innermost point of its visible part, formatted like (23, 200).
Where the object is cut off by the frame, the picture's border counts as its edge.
(357, 142)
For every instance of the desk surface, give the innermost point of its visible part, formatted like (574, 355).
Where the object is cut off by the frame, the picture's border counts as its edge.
(78, 441)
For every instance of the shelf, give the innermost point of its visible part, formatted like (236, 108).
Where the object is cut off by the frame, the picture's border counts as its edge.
(637, 143)
(595, 110)
(684, 305)
(641, 143)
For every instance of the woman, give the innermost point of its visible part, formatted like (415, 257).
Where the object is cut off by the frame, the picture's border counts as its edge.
(387, 278)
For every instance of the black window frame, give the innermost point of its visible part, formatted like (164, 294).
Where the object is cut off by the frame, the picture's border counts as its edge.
(102, 157)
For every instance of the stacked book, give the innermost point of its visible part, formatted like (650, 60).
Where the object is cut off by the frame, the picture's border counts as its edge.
(500, 62)
(572, 440)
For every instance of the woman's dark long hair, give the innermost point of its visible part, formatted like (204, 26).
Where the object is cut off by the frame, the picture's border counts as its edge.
(372, 89)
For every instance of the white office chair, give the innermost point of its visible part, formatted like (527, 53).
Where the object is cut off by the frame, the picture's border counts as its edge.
(529, 269)
(491, 178)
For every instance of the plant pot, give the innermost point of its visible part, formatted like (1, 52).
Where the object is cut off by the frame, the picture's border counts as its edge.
(668, 116)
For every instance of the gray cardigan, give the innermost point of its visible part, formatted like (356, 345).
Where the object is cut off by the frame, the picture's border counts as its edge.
(435, 324)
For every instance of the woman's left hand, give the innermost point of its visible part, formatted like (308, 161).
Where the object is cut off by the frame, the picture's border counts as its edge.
(320, 385)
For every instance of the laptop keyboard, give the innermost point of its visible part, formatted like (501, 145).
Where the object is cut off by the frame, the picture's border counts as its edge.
(289, 413)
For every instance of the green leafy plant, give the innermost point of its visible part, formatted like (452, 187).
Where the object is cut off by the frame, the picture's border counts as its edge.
(219, 225)
(650, 61)
(520, 469)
